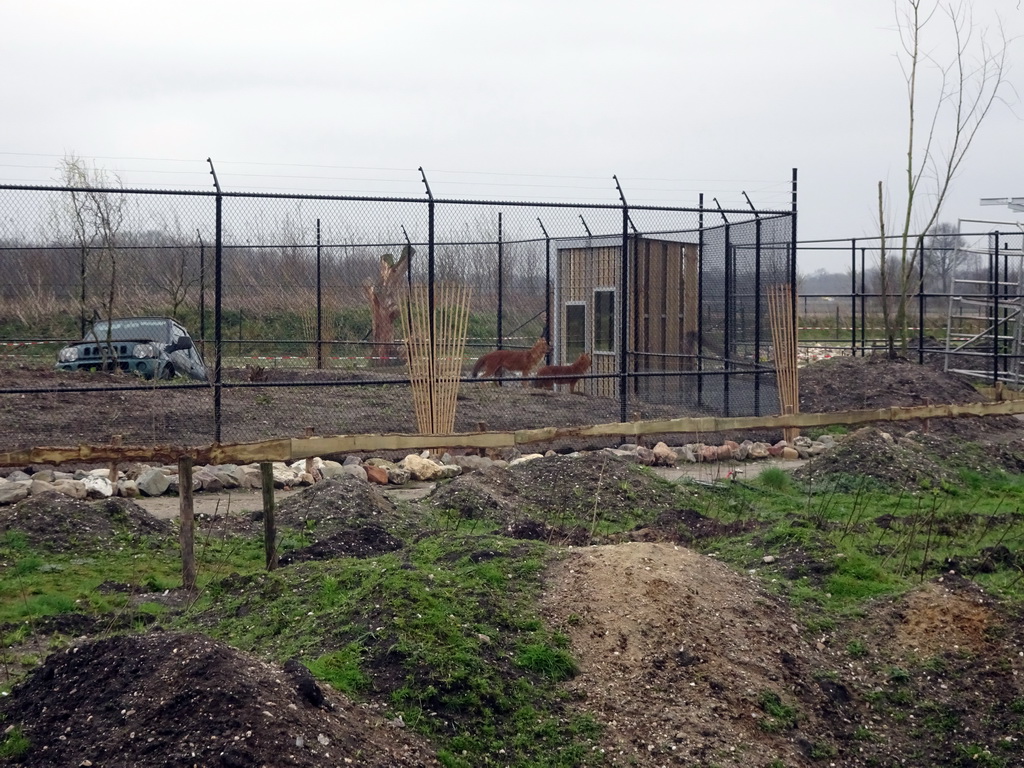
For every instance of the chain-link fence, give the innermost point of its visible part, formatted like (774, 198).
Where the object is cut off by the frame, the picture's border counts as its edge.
(296, 303)
(955, 300)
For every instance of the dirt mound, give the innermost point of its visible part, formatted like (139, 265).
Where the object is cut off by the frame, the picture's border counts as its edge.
(686, 661)
(564, 491)
(900, 462)
(365, 541)
(58, 523)
(939, 671)
(876, 381)
(947, 615)
(343, 502)
(183, 700)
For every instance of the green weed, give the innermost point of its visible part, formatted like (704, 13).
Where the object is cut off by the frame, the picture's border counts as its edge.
(856, 649)
(552, 663)
(775, 479)
(780, 717)
(342, 670)
(15, 745)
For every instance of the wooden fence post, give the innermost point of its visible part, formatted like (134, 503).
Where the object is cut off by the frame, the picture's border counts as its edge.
(269, 527)
(112, 472)
(186, 517)
(309, 460)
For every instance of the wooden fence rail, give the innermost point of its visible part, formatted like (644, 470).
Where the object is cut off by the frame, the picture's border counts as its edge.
(293, 449)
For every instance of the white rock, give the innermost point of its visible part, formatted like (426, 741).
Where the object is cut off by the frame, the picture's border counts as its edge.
(664, 456)
(619, 452)
(472, 463)
(11, 492)
(97, 487)
(128, 488)
(352, 470)
(759, 451)
(329, 469)
(284, 476)
(421, 468)
(526, 457)
(38, 485)
(153, 482)
(73, 488)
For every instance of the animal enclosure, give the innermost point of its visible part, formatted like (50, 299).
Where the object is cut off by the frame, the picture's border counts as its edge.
(295, 302)
(695, 328)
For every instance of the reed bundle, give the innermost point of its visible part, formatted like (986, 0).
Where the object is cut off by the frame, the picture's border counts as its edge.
(783, 323)
(435, 343)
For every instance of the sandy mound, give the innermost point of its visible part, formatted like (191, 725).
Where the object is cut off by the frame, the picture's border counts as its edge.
(947, 615)
(183, 700)
(677, 655)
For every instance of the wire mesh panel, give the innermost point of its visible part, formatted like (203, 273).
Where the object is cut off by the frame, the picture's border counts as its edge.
(295, 304)
(72, 260)
(984, 336)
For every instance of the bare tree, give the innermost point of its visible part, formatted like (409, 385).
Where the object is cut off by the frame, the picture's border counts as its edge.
(941, 127)
(96, 217)
(943, 247)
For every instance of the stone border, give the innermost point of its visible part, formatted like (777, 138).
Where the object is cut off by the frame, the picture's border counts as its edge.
(145, 480)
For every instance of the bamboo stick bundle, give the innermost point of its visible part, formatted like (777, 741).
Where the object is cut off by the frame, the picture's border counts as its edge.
(435, 362)
(417, 343)
(780, 313)
(450, 342)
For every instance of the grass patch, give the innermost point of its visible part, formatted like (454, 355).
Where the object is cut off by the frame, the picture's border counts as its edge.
(778, 716)
(775, 479)
(342, 669)
(14, 745)
(554, 664)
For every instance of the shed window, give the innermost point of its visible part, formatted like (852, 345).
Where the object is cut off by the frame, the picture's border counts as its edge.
(575, 330)
(604, 320)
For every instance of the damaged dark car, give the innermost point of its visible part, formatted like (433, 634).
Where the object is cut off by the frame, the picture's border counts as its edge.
(151, 347)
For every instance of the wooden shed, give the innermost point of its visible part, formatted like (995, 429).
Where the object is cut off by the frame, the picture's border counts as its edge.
(663, 309)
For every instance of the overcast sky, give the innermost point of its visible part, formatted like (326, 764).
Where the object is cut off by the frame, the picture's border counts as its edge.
(529, 99)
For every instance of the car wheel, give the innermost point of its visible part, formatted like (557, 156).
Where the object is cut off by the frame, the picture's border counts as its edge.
(167, 373)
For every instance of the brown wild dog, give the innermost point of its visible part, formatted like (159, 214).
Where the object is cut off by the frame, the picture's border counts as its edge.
(549, 376)
(503, 362)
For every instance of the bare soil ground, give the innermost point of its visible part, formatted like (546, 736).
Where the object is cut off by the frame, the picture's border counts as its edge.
(51, 407)
(676, 650)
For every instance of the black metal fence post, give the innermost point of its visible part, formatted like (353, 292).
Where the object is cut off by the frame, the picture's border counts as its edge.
(727, 345)
(698, 346)
(547, 292)
(853, 297)
(624, 312)
(319, 304)
(757, 316)
(792, 273)
(218, 303)
(202, 292)
(501, 283)
(921, 299)
(995, 308)
(430, 281)
(863, 302)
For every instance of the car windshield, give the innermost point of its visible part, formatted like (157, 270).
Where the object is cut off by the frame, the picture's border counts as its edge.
(131, 329)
